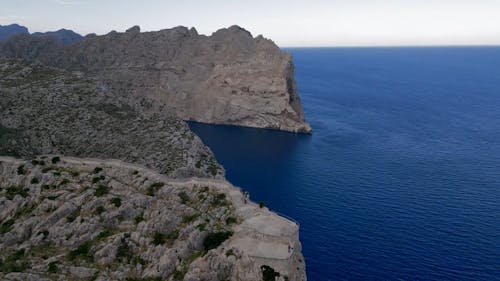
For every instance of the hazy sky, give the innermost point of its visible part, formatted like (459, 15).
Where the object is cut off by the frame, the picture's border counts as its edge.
(287, 22)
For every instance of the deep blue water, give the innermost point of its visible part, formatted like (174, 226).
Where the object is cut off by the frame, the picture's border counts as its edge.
(401, 178)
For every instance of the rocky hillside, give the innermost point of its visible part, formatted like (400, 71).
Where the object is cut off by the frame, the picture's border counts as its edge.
(229, 77)
(76, 219)
(49, 111)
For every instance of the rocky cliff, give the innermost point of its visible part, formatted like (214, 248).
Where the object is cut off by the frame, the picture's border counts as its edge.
(151, 204)
(229, 77)
(80, 219)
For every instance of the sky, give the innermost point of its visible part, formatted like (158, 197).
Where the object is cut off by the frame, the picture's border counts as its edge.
(289, 23)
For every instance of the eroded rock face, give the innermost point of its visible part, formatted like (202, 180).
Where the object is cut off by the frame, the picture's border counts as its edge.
(82, 219)
(49, 111)
(226, 78)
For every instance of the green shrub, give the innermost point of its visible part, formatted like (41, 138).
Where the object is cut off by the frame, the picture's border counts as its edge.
(261, 205)
(52, 267)
(6, 226)
(46, 169)
(34, 180)
(64, 182)
(213, 240)
(14, 263)
(104, 234)
(219, 200)
(97, 170)
(153, 188)
(159, 238)
(124, 253)
(189, 218)
(139, 218)
(12, 191)
(99, 210)
(184, 197)
(82, 252)
(20, 170)
(56, 160)
(101, 190)
(268, 273)
(230, 220)
(117, 201)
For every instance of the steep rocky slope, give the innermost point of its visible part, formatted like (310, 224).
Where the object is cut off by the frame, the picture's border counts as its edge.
(49, 111)
(226, 78)
(79, 219)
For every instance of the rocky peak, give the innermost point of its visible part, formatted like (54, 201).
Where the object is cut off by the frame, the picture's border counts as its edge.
(134, 29)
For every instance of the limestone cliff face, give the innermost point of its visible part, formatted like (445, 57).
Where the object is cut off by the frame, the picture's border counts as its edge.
(229, 77)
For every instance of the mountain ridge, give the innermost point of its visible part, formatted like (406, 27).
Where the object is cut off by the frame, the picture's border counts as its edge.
(229, 77)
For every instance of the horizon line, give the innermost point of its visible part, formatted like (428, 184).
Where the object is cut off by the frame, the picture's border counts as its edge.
(395, 46)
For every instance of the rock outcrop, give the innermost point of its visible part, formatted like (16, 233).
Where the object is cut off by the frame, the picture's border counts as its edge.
(229, 77)
(81, 219)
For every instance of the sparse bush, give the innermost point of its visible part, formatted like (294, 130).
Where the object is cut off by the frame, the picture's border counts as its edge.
(153, 188)
(230, 220)
(6, 226)
(268, 273)
(14, 263)
(97, 170)
(219, 200)
(117, 201)
(101, 190)
(99, 210)
(12, 191)
(83, 252)
(124, 253)
(213, 240)
(20, 170)
(139, 218)
(190, 218)
(104, 234)
(56, 160)
(159, 238)
(34, 180)
(52, 267)
(184, 197)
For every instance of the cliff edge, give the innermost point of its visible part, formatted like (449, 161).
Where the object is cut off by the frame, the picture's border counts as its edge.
(229, 77)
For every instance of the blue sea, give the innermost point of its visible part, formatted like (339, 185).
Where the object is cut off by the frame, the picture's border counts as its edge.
(400, 179)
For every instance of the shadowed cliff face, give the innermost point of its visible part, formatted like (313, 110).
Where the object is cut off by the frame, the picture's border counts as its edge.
(226, 78)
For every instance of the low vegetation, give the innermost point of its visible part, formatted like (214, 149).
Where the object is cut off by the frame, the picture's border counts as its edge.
(213, 240)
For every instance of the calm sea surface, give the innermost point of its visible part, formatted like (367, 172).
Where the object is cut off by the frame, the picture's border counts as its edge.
(401, 178)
